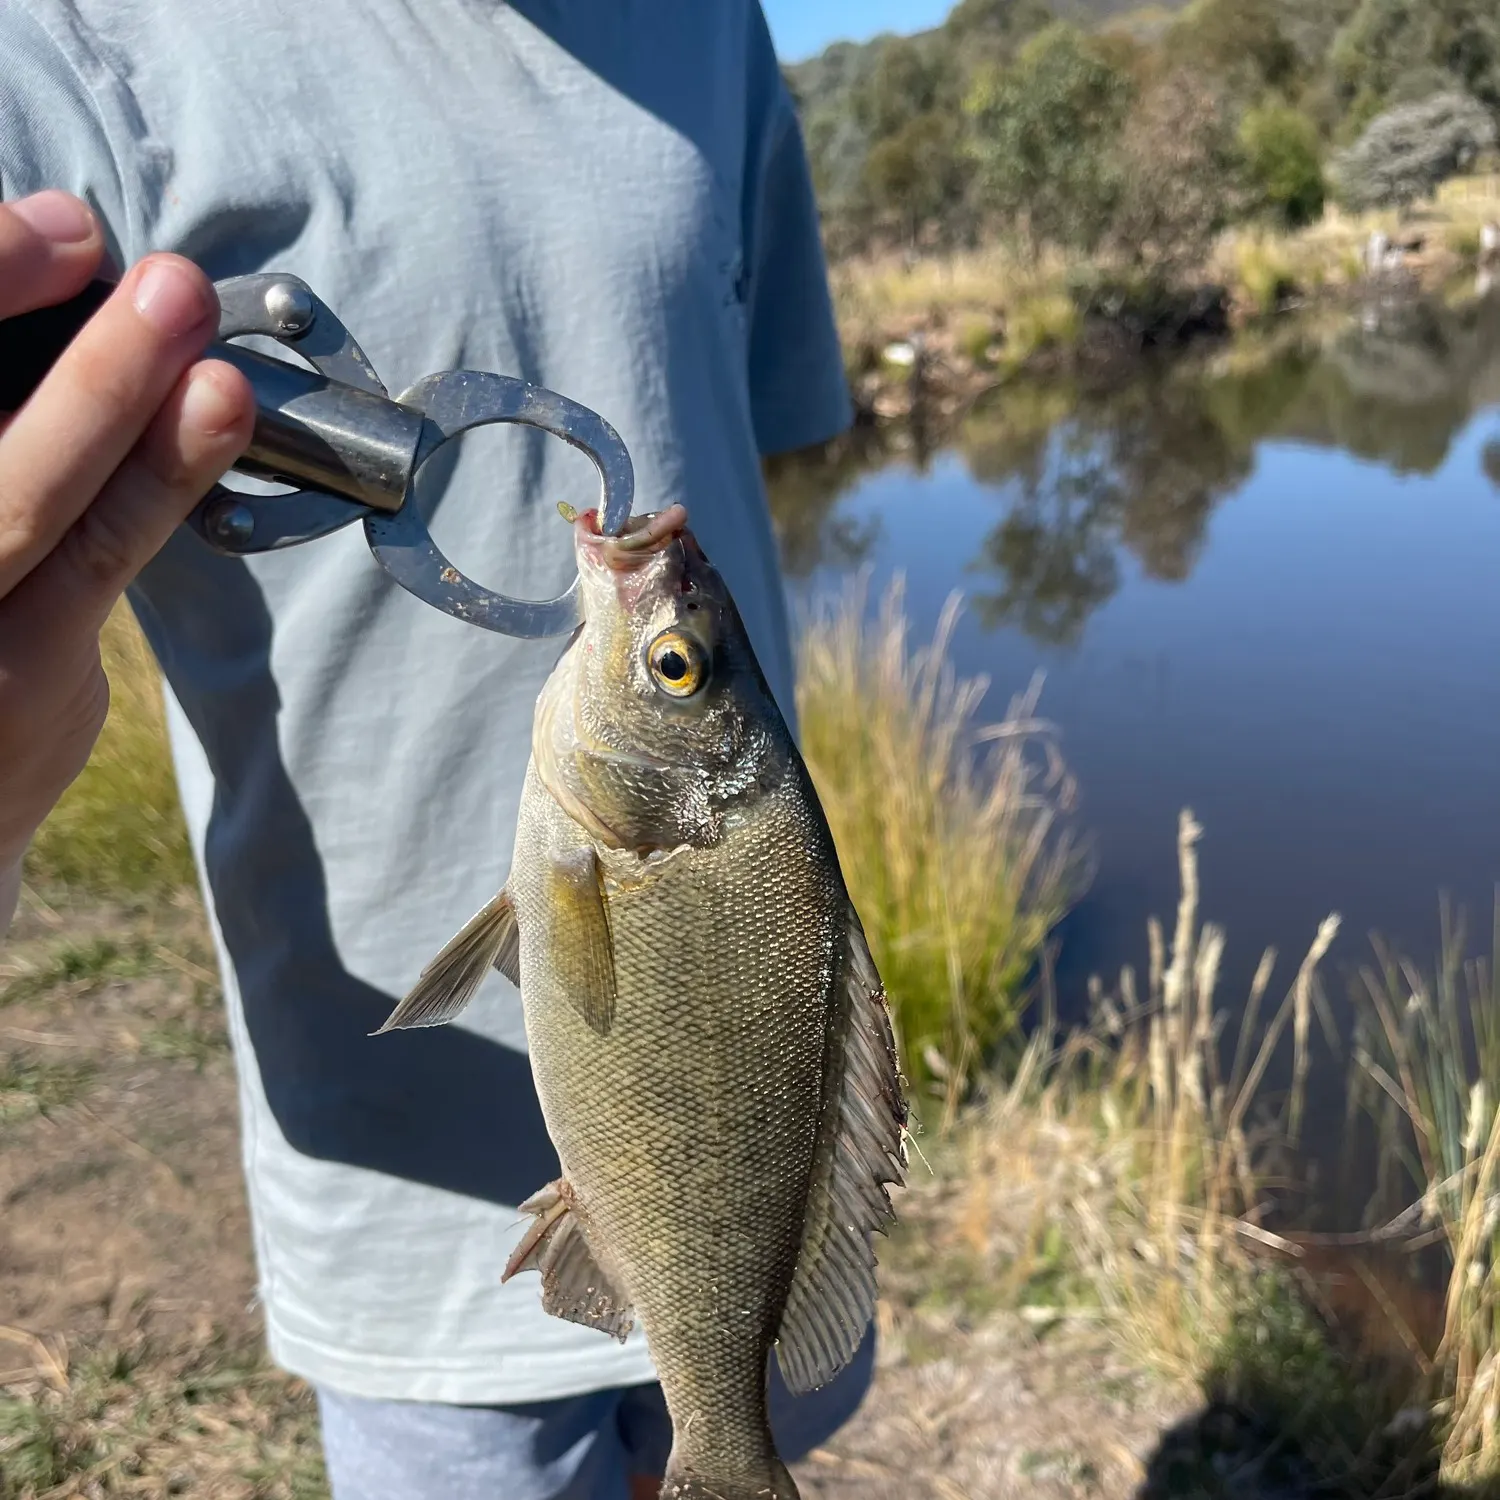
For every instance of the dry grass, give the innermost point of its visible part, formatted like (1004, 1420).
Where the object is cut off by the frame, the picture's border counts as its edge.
(1157, 1157)
(1142, 1172)
(988, 296)
(1129, 1174)
(1260, 265)
(992, 293)
(126, 1421)
(948, 828)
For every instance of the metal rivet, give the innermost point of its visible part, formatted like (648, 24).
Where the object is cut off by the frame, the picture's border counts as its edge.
(290, 307)
(231, 523)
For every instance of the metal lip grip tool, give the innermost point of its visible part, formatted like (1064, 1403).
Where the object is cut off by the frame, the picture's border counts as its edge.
(353, 452)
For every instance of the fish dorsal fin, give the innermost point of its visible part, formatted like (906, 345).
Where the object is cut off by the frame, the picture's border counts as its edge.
(574, 1284)
(490, 938)
(582, 953)
(832, 1296)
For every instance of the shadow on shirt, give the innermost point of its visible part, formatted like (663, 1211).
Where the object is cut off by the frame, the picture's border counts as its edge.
(439, 1106)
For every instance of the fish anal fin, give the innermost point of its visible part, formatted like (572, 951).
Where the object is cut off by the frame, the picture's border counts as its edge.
(583, 955)
(832, 1296)
(574, 1284)
(491, 937)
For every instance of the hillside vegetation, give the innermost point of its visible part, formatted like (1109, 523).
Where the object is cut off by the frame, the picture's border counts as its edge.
(1140, 134)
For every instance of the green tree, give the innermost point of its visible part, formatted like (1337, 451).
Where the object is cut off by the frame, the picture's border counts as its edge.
(909, 78)
(918, 175)
(1405, 153)
(1381, 57)
(1393, 52)
(990, 32)
(1176, 175)
(1283, 162)
(1043, 131)
(1239, 41)
(1466, 43)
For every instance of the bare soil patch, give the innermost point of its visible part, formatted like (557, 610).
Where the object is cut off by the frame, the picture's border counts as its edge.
(130, 1356)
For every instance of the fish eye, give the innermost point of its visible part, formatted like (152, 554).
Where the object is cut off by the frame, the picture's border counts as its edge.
(678, 665)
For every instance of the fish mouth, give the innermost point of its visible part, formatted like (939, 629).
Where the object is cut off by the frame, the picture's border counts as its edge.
(642, 538)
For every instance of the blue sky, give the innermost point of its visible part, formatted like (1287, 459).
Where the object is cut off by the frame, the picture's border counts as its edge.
(803, 27)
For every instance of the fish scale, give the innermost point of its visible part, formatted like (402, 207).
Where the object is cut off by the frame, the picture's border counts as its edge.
(709, 1037)
(681, 1132)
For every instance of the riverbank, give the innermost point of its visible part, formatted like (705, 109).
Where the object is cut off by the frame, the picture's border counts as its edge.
(1100, 1284)
(939, 331)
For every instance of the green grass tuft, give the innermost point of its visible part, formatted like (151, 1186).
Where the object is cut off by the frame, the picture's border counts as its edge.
(1042, 321)
(29, 1087)
(82, 965)
(948, 829)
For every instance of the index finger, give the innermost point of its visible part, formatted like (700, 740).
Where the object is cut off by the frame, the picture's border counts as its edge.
(50, 245)
(88, 413)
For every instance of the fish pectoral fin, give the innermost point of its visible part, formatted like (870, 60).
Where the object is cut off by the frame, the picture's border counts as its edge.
(832, 1296)
(583, 954)
(490, 937)
(574, 1284)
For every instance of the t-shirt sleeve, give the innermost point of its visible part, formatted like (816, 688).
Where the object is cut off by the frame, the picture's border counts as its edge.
(798, 392)
(56, 95)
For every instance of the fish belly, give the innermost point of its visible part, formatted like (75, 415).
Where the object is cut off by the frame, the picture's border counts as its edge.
(688, 1127)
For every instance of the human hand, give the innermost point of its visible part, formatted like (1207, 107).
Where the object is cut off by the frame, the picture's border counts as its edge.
(127, 432)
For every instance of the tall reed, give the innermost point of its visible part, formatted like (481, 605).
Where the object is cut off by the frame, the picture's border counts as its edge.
(1183, 1135)
(949, 827)
(1427, 1060)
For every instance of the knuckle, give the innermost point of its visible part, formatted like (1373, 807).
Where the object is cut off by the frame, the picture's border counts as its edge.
(98, 548)
(111, 378)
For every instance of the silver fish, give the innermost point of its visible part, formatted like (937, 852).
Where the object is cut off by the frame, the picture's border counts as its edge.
(710, 1039)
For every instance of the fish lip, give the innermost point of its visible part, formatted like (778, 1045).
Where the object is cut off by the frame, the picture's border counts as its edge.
(644, 537)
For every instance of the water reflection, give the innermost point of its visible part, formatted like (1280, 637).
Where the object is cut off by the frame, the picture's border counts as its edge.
(1259, 583)
(1090, 477)
(1134, 470)
(1490, 462)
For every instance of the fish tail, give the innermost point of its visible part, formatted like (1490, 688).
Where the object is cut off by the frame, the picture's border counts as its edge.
(773, 1482)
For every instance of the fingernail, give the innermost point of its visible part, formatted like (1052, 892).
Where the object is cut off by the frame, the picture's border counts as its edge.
(208, 404)
(170, 296)
(56, 216)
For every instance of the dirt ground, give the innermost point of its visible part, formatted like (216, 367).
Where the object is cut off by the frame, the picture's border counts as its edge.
(129, 1345)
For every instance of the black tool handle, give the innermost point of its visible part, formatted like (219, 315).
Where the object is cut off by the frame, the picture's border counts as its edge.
(31, 343)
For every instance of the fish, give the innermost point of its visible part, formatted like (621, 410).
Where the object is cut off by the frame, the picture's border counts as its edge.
(711, 1042)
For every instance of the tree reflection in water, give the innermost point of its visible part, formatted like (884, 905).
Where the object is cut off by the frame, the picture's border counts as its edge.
(1086, 473)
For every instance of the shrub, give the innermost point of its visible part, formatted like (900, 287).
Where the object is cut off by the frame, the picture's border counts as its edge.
(1280, 148)
(1406, 152)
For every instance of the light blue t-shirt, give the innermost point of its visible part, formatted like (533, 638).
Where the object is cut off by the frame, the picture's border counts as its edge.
(607, 197)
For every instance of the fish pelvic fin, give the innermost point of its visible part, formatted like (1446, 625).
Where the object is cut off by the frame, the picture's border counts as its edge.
(832, 1296)
(490, 938)
(575, 1285)
(774, 1484)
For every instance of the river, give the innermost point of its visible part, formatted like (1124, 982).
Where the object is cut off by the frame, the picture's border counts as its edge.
(1261, 583)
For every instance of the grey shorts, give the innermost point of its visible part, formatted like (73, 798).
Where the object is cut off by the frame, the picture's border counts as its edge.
(580, 1448)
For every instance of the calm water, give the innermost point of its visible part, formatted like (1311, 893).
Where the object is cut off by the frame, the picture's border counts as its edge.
(1264, 587)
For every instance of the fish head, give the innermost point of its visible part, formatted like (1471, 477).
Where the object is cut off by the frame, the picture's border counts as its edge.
(658, 712)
